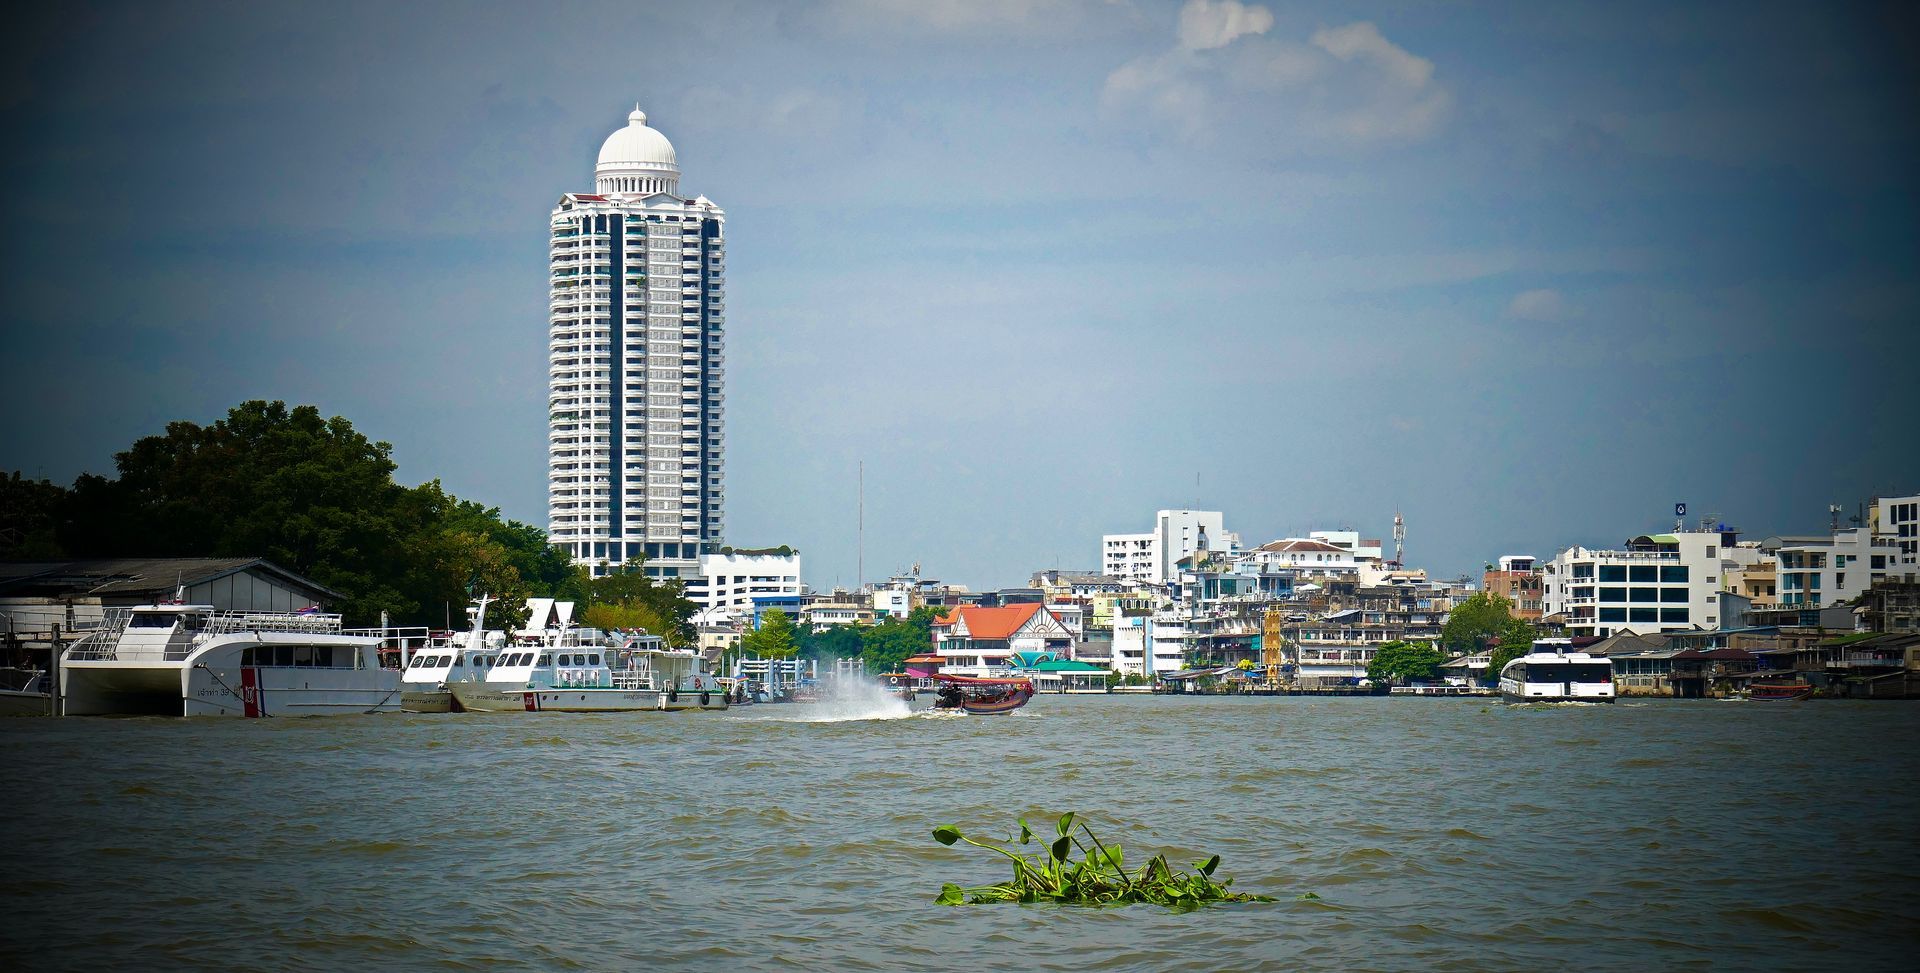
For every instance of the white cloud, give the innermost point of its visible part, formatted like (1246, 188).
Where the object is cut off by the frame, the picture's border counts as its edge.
(1342, 87)
(1207, 24)
(954, 16)
(1539, 305)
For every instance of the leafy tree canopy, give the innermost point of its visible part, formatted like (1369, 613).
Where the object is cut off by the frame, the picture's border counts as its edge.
(1472, 621)
(306, 492)
(1404, 662)
(776, 638)
(833, 642)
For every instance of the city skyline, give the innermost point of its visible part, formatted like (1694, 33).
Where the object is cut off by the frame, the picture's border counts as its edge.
(1044, 267)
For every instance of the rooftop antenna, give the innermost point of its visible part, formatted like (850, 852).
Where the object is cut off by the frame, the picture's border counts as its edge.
(1399, 539)
(1833, 517)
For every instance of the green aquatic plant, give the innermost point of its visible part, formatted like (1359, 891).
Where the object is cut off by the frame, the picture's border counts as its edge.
(1099, 877)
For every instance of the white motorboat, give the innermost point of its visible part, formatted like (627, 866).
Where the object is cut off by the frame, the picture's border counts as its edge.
(1553, 673)
(566, 674)
(23, 692)
(460, 657)
(193, 660)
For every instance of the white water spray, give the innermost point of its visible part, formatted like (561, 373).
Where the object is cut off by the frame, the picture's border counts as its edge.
(841, 701)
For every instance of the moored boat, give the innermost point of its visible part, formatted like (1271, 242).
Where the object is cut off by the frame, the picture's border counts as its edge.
(459, 657)
(194, 660)
(1779, 692)
(1552, 674)
(982, 697)
(23, 692)
(566, 674)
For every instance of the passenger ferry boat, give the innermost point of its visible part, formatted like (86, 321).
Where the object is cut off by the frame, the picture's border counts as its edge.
(1551, 673)
(565, 674)
(461, 657)
(193, 660)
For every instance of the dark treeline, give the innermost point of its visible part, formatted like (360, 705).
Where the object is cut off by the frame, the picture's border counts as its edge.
(315, 496)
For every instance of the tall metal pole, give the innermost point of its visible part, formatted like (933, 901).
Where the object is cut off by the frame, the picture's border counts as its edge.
(860, 529)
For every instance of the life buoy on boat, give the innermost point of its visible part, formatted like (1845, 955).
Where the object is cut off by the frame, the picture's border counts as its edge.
(673, 695)
(703, 699)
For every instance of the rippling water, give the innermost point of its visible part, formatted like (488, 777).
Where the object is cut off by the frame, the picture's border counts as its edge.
(1438, 833)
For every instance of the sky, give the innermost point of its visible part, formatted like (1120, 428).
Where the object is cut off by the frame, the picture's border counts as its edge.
(1528, 273)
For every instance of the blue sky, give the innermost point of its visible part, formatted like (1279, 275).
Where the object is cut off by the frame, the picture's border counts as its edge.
(1529, 273)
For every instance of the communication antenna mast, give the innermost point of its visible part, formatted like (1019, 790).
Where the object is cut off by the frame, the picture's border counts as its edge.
(1833, 517)
(1399, 540)
(860, 528)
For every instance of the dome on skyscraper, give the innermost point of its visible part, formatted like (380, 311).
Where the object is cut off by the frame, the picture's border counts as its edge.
(637, 159)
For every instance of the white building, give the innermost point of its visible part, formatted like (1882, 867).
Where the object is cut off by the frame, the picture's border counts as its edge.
(1821, 571)
(1152, 557)
(1146, 645)
(1897, 520)
(1305, 555)
(732, 581)
(634, 438)
(974, 641)
(1365, 549)
(1658, 583)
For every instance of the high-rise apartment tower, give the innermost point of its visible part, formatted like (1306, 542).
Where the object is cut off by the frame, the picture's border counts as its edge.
(634, 440)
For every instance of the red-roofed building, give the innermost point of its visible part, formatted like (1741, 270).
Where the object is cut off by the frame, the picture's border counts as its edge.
(974, 641)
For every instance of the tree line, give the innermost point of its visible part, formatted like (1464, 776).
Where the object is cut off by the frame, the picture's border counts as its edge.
(315, 496)
(883, 646)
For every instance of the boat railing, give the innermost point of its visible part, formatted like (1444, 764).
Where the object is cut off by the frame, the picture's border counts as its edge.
(99, 644)
(228, 622)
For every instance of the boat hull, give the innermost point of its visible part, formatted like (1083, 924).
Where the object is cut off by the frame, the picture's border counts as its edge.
(425, 700)
(16, 703)
(1779, 694)
(199, 689)
(482, 698)
(1508, 696)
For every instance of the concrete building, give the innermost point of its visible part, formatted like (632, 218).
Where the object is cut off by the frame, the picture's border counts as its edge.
(1521, 580)
(1657, 583)
(1897, 519)
(635, 357)
(734, 580)
(1153, 556)
(1826, 570)
(1304, 556)
(1365, 549)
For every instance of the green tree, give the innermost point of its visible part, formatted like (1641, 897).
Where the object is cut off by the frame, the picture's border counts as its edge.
(626, 618)
(774, 639)
(889, 644)
(832, 642)
(1404, 662)
(1472, 621)
(29, 518)
(629, 588)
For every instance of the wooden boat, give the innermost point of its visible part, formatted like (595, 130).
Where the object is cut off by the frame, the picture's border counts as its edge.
(982, 697)
(1779, 692)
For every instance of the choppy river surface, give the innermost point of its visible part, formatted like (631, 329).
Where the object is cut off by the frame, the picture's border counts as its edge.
(1438, 834)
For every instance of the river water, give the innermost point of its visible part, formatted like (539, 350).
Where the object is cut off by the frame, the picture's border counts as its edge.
(1438, 834)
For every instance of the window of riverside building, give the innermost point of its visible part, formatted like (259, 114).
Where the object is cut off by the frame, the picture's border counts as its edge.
(1583, 571)
(1644, 615)
(1646, 594)
(1673, 594)
(1674, 574)
(1644, 572)
(1613, 614)
(1673, 614)
(1613, 572)
(1613, 594)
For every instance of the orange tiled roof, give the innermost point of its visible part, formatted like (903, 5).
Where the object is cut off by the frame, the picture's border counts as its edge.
(993, 623)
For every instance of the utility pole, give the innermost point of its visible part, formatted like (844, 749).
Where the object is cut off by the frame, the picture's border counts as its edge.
(860, 529)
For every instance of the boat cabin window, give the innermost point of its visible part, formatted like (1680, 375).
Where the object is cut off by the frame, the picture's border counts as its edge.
(594, 659)
(1570, 672)
(545, 660)
(304, 656)
(152, 620)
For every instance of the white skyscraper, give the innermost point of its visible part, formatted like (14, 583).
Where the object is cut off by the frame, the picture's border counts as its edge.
(634, 438)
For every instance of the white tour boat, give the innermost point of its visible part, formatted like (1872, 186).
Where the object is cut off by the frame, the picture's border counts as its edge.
(461, 657)
(1552, 673)
(193, 660)
(565, 674)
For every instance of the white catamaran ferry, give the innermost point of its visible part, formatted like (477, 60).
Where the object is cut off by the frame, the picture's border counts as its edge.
(1551, 673)
(193, 660)
(460, 657)
(564, 673)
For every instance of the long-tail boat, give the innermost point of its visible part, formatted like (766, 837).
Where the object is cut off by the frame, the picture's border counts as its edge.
(1779, 692)
(982, 697)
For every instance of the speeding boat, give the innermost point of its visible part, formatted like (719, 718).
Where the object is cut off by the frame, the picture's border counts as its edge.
(194, 660)
(1553, 674)
(982, 697)
(566, 674)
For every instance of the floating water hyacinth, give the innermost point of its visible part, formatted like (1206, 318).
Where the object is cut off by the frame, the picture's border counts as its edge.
(1100, 876)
